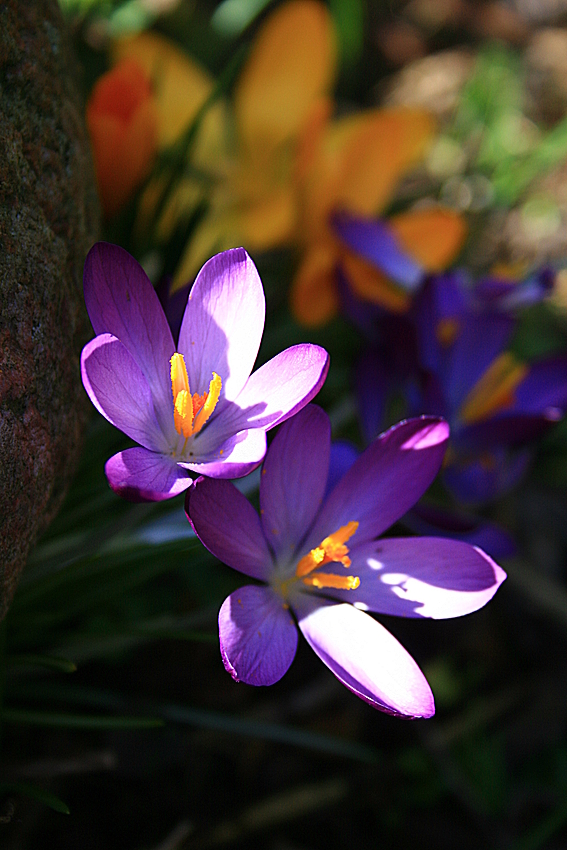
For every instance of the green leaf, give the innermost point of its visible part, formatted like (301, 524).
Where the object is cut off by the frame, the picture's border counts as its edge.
(231, 17)
(203, 718)
(39, 794)
(349, 20)
(88, 582)
(63, 665)
(512, 178)
(235, 725)
(76, 721)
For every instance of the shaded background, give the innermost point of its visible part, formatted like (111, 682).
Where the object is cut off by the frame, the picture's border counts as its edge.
(125, 593)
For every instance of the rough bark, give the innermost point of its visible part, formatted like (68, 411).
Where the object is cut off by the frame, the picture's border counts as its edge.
(48, 219)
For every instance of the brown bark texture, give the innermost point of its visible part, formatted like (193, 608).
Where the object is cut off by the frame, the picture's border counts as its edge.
(49, 218)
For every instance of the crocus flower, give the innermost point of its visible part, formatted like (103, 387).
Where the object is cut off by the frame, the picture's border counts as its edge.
(406, 252)
(450, 357)
(497, 403)
(194, 408)
(353, 172)
(323, 566)
(123, 125)
(249, 183)
(385, 261)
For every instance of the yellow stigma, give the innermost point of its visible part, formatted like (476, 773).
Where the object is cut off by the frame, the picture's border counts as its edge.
(494, 391)
(332, 548)
(191, 412)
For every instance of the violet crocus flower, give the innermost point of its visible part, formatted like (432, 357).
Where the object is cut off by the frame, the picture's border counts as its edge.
(194, 408)
(323, 565)
(450, 356)
(496, 403)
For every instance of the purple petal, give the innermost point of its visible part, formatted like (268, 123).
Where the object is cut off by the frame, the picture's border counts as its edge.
(431, 520)
(279, 388)
(239, 455)
(387, 479)
(258, 637)
(510, 295)
(173, 304)
(505, 430)
(442, 299)
(482, 480)
(119, 390)
(121, 301)
(143, 476)
(421, 577)
(366, 317)
(373, 384)
(227, 524)
(294, 478)
(223, 323)
(539, 401)
(377, 243)
(365, 657)
(481, 339)
(343, 455)
(544, 388)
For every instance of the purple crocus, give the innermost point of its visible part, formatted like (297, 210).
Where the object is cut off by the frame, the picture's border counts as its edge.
(194, 408)
(323, 567)
(496, 403)
(450, 356)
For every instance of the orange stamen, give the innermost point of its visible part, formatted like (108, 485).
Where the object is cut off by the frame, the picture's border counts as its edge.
(494, 391)
(332, 580)
(332, 548)
(182, 402)
(191, 412)
(209, 404)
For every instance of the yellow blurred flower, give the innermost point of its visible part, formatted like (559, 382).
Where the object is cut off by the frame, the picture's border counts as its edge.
(249, 158)
(274, 167)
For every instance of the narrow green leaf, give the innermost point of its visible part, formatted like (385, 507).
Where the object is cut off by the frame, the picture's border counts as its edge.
(349, 20)
(201, 717)
(76, 721)
(174, 159)
(231, 17)
(84, 584)
(512, 178)
(39, 794)
(234, 725)
(49, 661)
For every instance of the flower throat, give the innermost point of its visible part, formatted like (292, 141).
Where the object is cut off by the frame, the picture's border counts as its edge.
(191, 412)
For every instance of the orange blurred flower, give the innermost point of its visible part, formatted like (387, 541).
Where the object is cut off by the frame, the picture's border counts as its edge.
(355, 166)
(123, 124)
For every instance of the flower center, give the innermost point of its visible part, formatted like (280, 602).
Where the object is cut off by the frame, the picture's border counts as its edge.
(494, 391)
(332, 548)
(447, 331)
(191, 412)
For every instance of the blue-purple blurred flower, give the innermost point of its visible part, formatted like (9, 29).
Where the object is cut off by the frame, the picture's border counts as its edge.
(193, 407)
(297, 547)
(496, 403)
(450, 357)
